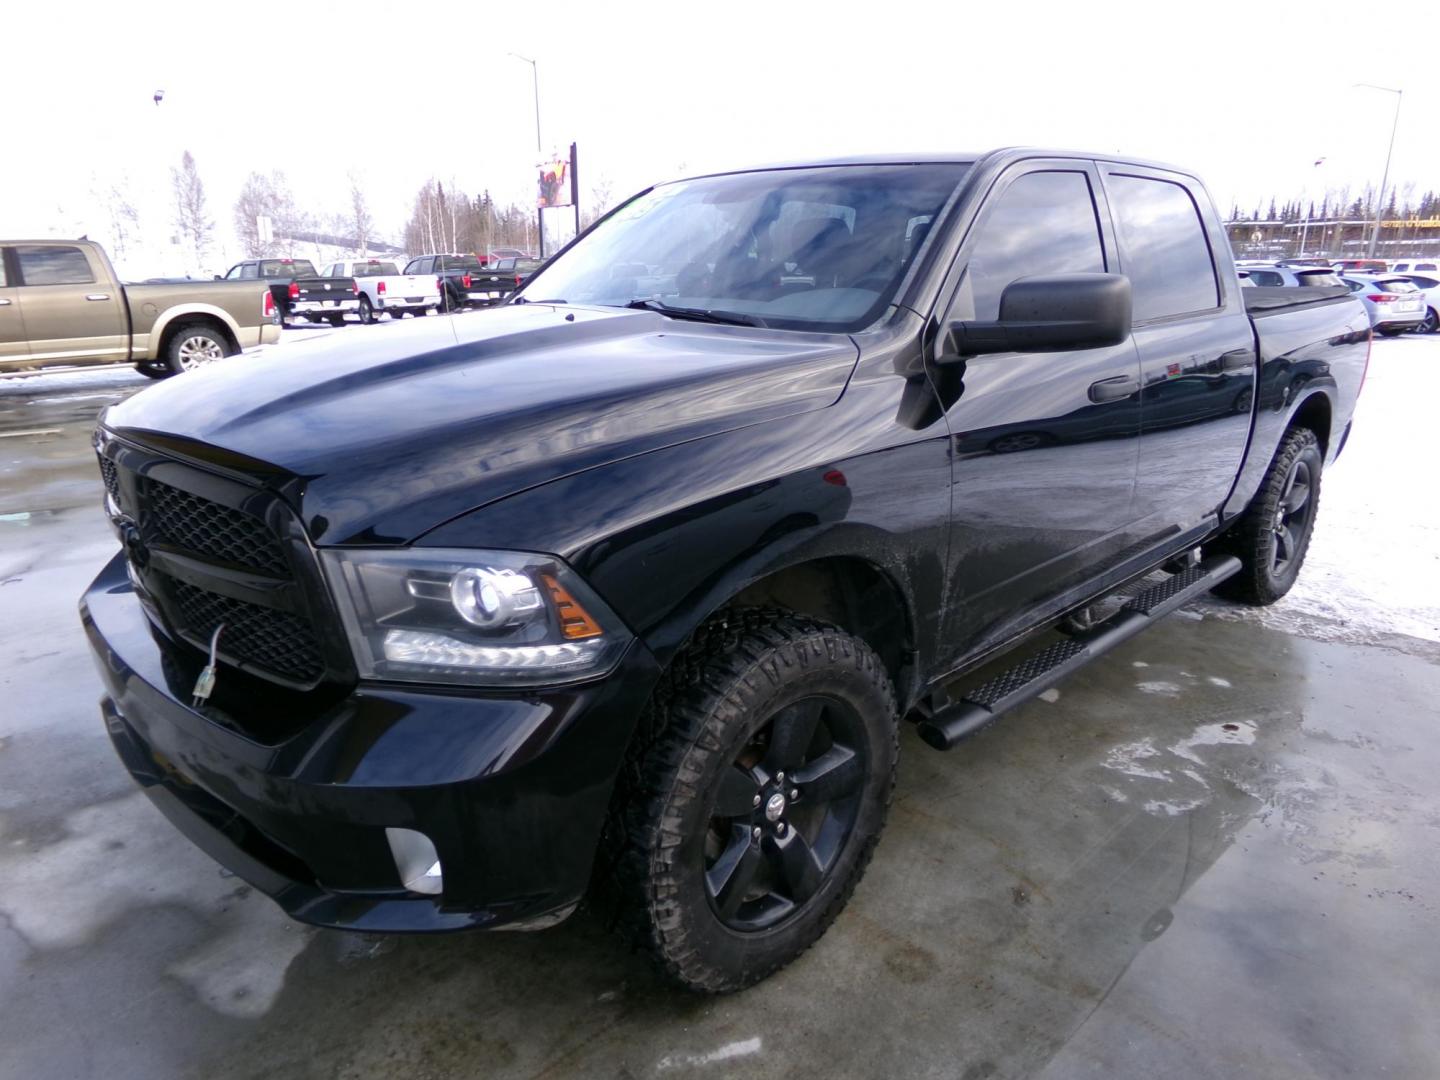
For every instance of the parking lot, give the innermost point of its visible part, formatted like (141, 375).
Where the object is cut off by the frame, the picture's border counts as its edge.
(1211, 853)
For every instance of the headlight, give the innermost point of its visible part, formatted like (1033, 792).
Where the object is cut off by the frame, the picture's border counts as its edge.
(480, 618)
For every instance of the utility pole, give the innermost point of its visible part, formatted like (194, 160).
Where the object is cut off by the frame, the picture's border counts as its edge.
(535, 81)
(1385, 176)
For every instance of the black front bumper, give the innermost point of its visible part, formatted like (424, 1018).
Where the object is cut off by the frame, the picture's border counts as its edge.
(511, 789)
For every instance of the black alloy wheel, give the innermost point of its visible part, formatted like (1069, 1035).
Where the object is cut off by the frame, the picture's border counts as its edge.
(1272, 536)
(1293, 517)
(751, 798)
(783, 812)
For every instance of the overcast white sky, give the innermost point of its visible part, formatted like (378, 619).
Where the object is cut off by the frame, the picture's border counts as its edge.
(653, 90)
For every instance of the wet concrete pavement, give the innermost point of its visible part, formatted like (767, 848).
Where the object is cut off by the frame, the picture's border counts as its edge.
(1211, 854)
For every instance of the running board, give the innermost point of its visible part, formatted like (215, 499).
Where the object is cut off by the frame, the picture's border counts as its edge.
(982, 705)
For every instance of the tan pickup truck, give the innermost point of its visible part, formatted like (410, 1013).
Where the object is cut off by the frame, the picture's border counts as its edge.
(61, 304)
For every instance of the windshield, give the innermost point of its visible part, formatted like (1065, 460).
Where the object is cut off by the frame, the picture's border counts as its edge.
(459, 262)
(375, 269)
(808, 249)
(284, 268)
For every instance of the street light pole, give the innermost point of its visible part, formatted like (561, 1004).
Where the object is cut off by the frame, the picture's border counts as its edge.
(535, 81)
(1385, 176)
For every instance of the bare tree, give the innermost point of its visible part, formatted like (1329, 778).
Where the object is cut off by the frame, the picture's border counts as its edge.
(256, 200)
(602, 195)
(191, 217)
(360, 224)
(124, 218)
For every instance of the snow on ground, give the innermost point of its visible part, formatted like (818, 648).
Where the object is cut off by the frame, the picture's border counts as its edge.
(1373, 569)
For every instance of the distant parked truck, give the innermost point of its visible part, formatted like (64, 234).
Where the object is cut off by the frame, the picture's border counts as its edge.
(61, 303)
(458, 274)
(383, 289)
(299, 291)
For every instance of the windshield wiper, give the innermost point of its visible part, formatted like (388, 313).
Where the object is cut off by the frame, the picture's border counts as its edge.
(730, 318)
(527, 300)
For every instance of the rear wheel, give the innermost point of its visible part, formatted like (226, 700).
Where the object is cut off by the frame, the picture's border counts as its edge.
(744, 825)
(1393, 331)
(1273, 534)
(367, 313)
(1431, 323)
(193, 347)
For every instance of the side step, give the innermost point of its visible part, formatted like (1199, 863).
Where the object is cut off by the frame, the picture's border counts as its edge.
(982, 705)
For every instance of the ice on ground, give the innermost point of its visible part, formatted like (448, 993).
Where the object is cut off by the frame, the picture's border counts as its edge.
(1233, 733)
(1164, 689)
(1144, 763)
(742, 1048)
(65, 894)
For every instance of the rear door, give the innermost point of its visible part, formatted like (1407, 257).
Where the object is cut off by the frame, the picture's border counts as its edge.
(1045, 444)
(1196, 346)
(14, 343)
(72, 311)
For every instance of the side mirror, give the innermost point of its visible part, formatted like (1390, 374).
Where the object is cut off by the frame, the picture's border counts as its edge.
(1049, 314)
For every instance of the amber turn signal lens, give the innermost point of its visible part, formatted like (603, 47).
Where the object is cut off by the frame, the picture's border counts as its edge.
(575, 621)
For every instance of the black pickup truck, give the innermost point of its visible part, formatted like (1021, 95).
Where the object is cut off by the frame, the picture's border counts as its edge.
(625, 594)
(299, 291)
(459, 279)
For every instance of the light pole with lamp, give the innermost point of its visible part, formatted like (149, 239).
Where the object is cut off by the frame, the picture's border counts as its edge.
(535, 80)
(1385, 176)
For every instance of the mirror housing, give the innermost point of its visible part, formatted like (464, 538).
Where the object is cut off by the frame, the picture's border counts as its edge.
(1049, 313)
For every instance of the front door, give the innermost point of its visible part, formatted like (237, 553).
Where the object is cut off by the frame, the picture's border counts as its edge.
(14, 344)
(1045, 444)
(1196, 345)
(72, 310)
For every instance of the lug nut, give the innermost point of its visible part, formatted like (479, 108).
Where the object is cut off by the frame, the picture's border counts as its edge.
(755, 801)
(779, 828)
(794, 794)
(779, 778)
(755, 833)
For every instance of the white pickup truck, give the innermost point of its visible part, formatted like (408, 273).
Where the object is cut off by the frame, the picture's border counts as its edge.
(383, 288)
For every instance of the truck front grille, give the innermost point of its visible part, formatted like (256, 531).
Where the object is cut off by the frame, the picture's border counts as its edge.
(196, 555)
(273, 640)
(207, 528)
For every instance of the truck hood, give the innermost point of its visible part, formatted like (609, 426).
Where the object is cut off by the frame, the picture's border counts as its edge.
(380, 436)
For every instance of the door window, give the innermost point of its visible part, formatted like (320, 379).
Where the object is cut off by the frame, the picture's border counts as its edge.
(1165, 253)
(54, 266)
(1043, 223)
(1266, 277)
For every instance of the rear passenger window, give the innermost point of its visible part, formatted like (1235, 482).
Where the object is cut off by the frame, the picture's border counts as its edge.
(54, 266)
(1043, 223)
(1163, 247)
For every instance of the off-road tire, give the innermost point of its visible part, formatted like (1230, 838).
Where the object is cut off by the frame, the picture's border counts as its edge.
(1252, 538)
(739, 670)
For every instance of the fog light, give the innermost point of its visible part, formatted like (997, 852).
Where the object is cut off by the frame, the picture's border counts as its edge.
(416, 860)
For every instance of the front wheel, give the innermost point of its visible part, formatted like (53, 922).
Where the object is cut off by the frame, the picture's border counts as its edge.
(1273, 534)
(742, 829)
(336, 320)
